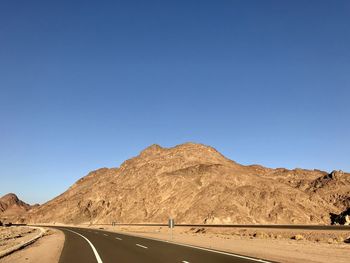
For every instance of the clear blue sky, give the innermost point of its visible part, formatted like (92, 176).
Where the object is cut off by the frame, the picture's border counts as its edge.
(88, 84)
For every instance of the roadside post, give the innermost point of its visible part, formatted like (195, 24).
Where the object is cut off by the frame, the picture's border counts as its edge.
(171, 224)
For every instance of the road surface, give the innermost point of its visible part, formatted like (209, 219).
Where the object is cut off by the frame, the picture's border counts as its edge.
(91, 246)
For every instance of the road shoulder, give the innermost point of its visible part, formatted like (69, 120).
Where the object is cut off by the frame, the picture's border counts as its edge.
(45, 250)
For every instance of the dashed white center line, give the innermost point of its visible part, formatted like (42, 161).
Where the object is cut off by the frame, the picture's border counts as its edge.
(105, 235)
(118, 238)
(141, 246)
(185, 261)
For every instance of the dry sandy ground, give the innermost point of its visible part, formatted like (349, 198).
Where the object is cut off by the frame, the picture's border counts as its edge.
(275, 245)
(46, 250)
(12, 236)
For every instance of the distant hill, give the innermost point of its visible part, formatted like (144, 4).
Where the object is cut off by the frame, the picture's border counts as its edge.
(194, 183)
(11, 206)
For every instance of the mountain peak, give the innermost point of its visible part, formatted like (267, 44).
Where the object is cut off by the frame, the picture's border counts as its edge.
(154, 148)
(10, 197)
(11, 205)
(180, 155)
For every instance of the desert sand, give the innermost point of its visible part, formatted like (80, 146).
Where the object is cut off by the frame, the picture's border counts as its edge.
(45, 250)
(12, 236)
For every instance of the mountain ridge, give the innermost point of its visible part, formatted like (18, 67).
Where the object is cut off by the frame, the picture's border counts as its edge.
(194, 183)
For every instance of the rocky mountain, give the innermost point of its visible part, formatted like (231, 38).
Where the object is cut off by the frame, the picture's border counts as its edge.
(11, 206)
(194, 183)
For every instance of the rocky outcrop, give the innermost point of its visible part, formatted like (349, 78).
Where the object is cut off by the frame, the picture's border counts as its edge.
(194, 183)
(334, 188)
(342, 219)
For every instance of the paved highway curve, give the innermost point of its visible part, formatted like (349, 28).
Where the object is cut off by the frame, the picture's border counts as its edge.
(91, 246)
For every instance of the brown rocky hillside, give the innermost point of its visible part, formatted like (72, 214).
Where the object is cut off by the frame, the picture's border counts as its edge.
(11, 206)
(194, 183)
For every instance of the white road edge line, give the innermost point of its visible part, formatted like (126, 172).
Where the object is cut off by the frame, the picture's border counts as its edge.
(141, 246)
(118, 238)
(224, 253)
(99, 260)
(201, 248)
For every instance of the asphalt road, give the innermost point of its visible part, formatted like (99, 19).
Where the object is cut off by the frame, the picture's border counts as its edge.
(91, 246)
